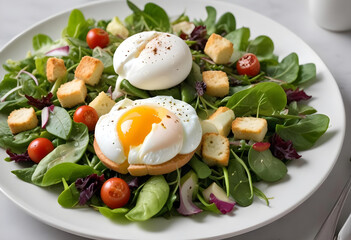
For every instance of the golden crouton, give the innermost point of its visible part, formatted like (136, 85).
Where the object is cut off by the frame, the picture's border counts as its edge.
(219, 49)
(22, 119)
(102, 104)
(89, 70)
(219, 122)
(72, 93)
(215, 149)
(217, 83)
(55, 69)
(249, 128)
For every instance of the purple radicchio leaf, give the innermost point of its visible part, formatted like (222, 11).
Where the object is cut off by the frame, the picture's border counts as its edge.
(88, 186)
(133, 183)
(18, 158)
(199, 34)
(296, 95)
(223, 206)
(283, 149)
(45, 101)
(200, 88)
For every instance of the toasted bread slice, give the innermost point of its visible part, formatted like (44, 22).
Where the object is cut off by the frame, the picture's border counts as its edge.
(142, 169)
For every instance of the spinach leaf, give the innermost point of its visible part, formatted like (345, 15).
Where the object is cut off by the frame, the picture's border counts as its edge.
(265, 98)
(156, 17)
(69, 197)
(266, 166)
(263, 47)
(131, 90)
(173, 92)
(194, 76)
(41, 40)
(305, 132)
(60, 123)
(210, 21)
(152, 18)
(67, 170)
(25, 174)
(307, 72)
(202, 169)
(287, 70)
(239, 186)
(116, 213)
(16, 143)
(296, 108)
(151, 199)
(71, 151)
(226, 23)
(188, 92)
(240, 38)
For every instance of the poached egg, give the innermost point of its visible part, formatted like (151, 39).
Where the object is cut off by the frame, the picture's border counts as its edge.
(152, 60)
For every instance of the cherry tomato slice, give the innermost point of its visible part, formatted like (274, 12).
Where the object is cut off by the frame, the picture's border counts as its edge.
(115, 193)
(97, 37)
(87, 115)
(248, 65)
(261, 146)
(39, 148)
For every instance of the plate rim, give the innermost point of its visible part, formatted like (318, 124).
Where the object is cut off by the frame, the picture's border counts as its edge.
(287, 211)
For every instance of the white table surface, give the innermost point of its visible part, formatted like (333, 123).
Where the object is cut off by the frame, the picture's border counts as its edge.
(334, 49)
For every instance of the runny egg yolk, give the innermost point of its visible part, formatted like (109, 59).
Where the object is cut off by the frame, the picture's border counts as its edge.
(135, 124)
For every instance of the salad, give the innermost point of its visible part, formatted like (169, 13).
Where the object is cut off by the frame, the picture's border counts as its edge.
(272, 93)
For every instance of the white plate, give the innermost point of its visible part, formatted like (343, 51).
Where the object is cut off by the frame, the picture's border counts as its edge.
(304, 175)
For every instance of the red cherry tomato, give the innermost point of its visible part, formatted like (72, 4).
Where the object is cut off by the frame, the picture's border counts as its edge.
(39, 148)
(97, 37)
(248, 65)
(87, 115)
(261, 146)
(115, 193)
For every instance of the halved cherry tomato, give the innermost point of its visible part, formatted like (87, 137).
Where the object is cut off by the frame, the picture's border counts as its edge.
(115, 193)
(97, 37)
(261, 146)
(39, 148)
(248, 65)
(87, 115)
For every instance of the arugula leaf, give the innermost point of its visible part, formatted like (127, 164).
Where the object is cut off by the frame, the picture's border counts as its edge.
(77, 26)
(41, 40)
